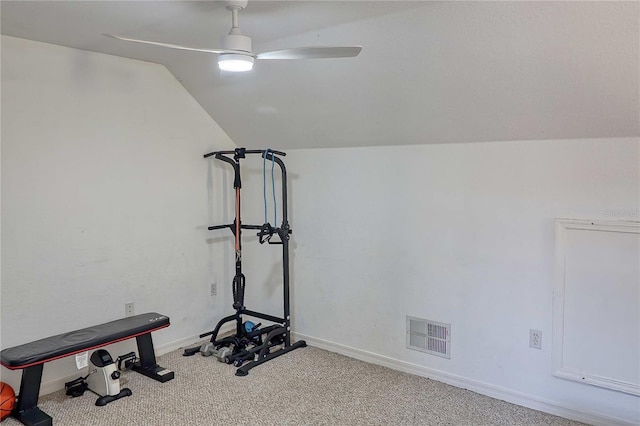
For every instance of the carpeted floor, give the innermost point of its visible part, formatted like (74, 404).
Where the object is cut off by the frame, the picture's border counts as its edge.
(308, 386)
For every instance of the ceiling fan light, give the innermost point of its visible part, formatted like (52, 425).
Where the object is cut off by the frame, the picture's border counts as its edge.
(235, 63)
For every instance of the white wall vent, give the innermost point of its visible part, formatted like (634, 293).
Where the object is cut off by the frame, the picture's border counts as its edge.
(429, 336)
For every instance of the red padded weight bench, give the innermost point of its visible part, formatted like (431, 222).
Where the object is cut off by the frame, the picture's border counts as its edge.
(31, 357)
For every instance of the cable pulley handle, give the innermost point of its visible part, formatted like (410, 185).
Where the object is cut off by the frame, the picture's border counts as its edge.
(237, 289)
(266, 232)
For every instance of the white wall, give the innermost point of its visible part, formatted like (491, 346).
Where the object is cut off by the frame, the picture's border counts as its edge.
(105, 197)
(460, 234)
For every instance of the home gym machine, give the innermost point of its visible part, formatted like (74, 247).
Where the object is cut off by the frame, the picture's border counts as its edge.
(252, 345)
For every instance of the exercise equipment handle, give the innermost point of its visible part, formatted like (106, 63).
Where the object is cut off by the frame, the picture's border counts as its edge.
(211, 228)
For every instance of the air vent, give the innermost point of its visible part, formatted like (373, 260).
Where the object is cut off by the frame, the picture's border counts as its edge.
(429, 336)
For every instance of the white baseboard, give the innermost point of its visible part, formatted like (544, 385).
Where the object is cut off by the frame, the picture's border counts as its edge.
(192, 340)
(487, 389)
(165, 348)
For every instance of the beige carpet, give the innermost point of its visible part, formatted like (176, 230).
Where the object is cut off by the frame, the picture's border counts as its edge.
(307, 386)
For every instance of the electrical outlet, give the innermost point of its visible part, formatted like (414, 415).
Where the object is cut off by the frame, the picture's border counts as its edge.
(128, 309)
(535, 339)
(214, 289)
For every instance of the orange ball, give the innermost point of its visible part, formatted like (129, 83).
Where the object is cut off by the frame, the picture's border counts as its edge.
(7, 400)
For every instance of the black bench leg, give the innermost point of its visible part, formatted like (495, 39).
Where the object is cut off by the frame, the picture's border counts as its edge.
(26, 410)
(147, 364)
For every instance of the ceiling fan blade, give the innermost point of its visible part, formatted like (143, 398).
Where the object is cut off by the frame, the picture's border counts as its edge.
(175, 46)
(312, 52)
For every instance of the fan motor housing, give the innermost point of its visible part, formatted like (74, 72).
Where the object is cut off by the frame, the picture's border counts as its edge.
(236, 42)
(236, 4)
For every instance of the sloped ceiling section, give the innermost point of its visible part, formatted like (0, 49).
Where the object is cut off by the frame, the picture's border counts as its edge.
(429, 72)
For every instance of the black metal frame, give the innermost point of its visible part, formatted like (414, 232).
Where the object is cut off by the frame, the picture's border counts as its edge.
(26, 410)
(254, 345)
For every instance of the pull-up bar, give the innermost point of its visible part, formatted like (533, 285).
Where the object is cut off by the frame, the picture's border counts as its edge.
(241, 152)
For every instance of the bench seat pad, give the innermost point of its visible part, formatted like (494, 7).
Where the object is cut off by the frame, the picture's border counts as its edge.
(74, 342)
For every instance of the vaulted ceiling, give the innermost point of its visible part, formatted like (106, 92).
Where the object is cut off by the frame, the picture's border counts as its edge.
(429, 72)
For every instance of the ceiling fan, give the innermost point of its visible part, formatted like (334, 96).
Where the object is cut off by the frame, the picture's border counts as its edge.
(236, 54)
